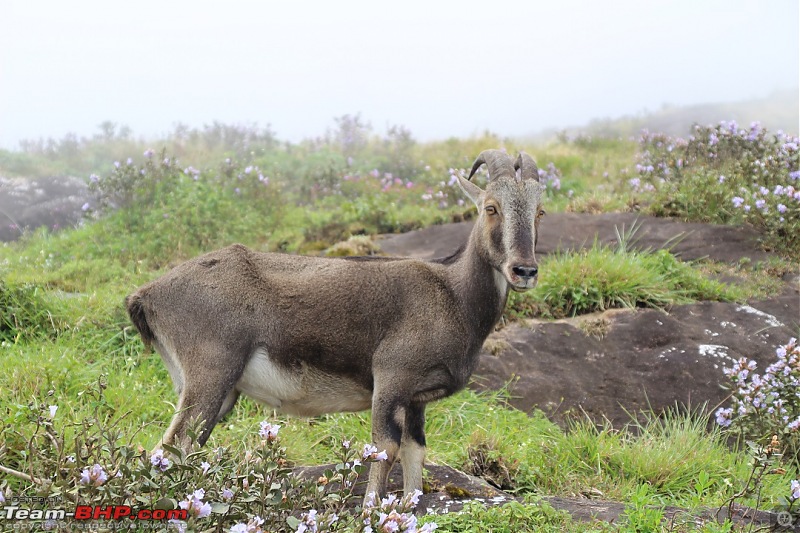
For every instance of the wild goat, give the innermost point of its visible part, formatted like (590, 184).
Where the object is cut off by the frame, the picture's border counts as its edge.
(313, 335)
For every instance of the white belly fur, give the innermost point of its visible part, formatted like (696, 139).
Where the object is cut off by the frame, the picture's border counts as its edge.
(304, 392)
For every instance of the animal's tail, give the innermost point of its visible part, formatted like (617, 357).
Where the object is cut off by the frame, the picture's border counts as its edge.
(135, 308)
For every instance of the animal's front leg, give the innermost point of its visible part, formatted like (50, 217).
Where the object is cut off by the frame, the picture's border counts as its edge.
(387, 417)
(412, 448)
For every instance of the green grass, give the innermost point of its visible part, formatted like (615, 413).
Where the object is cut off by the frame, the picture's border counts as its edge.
(533, 515)
(602, 277)
(61, 297)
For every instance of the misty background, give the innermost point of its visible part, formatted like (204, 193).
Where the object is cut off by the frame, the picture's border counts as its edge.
(440, 69)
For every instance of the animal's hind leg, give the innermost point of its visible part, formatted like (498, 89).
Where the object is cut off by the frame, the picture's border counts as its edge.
(196, 404)
(207, 394)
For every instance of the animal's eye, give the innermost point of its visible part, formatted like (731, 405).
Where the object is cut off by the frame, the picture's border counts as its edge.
(491, 210)
(541, 213)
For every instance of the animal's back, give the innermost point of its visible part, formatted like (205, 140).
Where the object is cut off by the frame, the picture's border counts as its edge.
(331, 312)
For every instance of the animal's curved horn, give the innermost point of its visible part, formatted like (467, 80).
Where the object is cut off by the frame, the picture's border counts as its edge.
(527, 167)
(498, 162)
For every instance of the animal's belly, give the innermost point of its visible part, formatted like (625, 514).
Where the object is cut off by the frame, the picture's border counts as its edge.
(304, 392)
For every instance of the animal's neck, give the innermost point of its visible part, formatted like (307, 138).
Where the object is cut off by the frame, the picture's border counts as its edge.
(483, 290)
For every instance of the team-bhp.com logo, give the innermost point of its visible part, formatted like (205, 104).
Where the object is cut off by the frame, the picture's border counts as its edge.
(24, 512)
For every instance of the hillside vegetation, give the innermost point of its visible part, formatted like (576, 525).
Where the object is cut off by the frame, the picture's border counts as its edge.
(79, 394)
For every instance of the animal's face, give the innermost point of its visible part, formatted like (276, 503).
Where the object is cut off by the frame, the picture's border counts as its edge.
(509, 211)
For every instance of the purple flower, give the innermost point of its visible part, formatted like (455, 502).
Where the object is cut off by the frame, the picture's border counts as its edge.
(409, 184)
(205, 466)
(85, 207)
(721, 179)
(149, 153)
(94, 178)
(129, 162)
(94, 476)
(795, 487)
(248, 170)
(795, 174)
(269, 431)
(760, 203)
(781, 208)
(116, 164)
(370, 452)
(253, 526)
(738, 201)
(158, 460)
(195, 505)
(227, 493)
(723, 416)
(308, 522)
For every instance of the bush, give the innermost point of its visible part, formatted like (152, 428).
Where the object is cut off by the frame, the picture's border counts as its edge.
(248, 487)
(726, 174)
(766, 405)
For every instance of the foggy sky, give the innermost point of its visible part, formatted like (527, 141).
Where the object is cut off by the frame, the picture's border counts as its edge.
(439, 68)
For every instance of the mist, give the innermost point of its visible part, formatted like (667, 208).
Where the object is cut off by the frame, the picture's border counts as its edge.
(439, 69)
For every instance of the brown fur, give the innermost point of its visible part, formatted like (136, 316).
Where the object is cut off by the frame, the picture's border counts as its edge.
(311, 335)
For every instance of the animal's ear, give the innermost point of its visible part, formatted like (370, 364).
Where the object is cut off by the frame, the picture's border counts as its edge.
(470, 189)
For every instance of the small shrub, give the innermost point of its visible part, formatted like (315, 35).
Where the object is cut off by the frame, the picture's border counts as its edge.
(245, 487)
(357, 245)
(726, 174)
(766, 405)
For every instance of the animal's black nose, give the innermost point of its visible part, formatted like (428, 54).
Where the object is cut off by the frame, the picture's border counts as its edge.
(525, 271)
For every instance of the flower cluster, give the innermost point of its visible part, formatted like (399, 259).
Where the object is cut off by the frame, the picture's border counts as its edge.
(725, 173)
(160, 462)
(551, 177)
(269, 432)
(310, 521)
(94, 476)
(252, 526)
(766, 404)
(195, 505)
(795, 489)
(371, 453)
(392, 514)
(781, 199)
